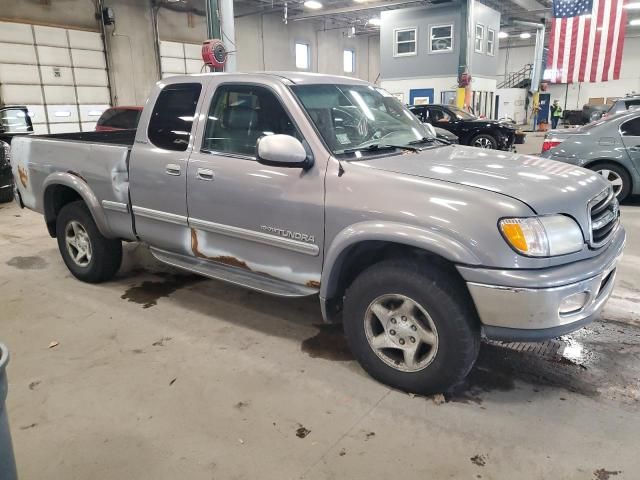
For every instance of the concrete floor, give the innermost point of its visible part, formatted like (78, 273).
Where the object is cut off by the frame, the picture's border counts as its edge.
(158, 375)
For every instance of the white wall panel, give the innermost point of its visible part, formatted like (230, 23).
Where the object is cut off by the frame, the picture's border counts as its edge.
(64, 127)
(62, 113)
(14, 73)
(91, 113)
(56, 56)
(15, 32)
(194, 66)
(93, 95)
(17, 53)
(59, 95)
(21, 94)
(171, 49)
(40, 129)
(85, 40)
(193, 51)
(56, 75)
(55, 37)
(88, 58)
(36, 112)
(88, 126)
(172, 65)
(91, 77)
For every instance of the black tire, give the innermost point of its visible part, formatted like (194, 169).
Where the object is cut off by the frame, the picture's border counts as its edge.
(106, 254)
(621, 172)
(490, 140)
(445, 300)
(6, 195)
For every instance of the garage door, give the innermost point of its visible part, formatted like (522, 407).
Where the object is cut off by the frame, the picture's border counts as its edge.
(59, 74)
(179, 58)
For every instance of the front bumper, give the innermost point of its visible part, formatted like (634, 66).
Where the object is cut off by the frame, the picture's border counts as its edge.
(524, 305)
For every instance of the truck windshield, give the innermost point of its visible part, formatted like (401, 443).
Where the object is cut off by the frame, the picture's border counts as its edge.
(351, 118)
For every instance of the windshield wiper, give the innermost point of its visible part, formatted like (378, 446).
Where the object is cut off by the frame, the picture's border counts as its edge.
(381, 146)
(429, 140)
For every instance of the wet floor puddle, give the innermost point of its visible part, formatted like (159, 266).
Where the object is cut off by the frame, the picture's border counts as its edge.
(27, 263)
(602, 359)
(149, 292)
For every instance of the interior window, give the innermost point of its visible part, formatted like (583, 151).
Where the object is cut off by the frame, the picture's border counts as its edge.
(441, 38)
(631, 128)
(172, 116)
(240, 115)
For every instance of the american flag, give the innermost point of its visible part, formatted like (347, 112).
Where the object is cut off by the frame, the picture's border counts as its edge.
(586, 41)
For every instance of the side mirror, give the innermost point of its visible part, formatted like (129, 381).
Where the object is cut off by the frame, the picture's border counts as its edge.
(282, 151)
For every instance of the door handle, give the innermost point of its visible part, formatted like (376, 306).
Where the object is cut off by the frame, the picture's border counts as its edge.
(204, 174)
(172, 169)
(635, 148)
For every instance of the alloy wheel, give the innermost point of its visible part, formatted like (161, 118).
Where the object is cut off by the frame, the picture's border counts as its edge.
(78, 243)
(613, 178)
(401, 332)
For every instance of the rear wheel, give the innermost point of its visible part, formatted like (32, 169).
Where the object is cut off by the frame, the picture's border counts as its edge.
(89, 255)
(617, 176)
(6, 195)
(411, 327)
(484, 140)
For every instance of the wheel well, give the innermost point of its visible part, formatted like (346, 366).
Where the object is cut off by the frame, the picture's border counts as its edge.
(595, 163)
(56, 197)
(355, 259)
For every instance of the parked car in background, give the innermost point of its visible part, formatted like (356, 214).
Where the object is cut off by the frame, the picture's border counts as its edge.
(119, 118)
(610, 146)
(299, 184)
(469, 129)
(446, 135)
(630, 102)
(14, 121)
(592, 113)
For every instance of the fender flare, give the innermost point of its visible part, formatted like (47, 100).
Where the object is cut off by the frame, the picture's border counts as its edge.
(79, 185)
(429, 240)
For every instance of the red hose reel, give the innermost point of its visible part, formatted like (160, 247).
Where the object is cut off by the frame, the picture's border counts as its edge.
(214, 53)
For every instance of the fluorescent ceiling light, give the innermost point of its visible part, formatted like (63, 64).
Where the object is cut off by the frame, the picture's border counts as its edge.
(375, 21)
(525, 35)
(635, 21)
(632, 6)
(503, 35)
(313, 4)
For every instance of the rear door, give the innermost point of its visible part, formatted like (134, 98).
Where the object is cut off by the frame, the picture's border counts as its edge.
(266, 219)
(158, 165)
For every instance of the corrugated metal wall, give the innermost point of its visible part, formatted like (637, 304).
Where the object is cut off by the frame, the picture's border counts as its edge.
(58, 73)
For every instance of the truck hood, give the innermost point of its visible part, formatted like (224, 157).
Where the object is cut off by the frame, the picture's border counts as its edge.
(546, 186)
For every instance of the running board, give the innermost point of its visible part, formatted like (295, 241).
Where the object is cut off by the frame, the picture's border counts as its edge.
(235, 275)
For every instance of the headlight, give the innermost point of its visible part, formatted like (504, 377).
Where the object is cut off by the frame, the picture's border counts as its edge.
(545, 236)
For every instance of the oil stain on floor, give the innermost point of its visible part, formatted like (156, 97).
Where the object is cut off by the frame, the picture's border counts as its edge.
(27, 263)
(148, 292)
(329, 343)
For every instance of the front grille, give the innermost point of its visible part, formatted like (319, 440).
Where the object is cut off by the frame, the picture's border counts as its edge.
(604, 216)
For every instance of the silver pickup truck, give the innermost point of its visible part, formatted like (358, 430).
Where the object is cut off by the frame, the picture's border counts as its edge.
(299, 184)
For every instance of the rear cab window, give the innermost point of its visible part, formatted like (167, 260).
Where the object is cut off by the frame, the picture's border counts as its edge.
(172, 116)
(120, 118)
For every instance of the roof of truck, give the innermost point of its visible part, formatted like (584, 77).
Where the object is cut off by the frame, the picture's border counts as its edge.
(297, 78)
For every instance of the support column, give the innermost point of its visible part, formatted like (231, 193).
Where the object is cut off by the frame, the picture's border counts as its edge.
(228, 31)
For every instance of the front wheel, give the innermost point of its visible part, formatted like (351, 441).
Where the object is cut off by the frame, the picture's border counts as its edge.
(484, 140)
(89, 255)
(617, 176)
(411, 327)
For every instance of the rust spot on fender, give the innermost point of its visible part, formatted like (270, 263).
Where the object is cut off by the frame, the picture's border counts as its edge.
(224, 259)
(24, 178)
(313, 284)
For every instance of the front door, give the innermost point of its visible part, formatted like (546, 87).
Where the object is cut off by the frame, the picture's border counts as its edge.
(630, 134)
(158, 167)
(264, 219)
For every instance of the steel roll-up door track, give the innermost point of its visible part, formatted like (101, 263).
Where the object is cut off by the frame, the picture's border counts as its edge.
(59, 73)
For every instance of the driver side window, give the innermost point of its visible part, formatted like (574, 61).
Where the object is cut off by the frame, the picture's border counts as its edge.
(438, 115)
(239, 115)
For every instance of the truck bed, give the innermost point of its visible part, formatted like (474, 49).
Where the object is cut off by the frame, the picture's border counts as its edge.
(117, 137)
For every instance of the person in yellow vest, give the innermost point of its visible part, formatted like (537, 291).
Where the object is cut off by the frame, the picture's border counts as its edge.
(556, 114)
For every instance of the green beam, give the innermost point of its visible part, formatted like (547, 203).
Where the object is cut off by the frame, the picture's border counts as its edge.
(213, 19)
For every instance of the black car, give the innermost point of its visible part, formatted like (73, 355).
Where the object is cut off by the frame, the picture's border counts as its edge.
(471, 130)
(13, 121)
